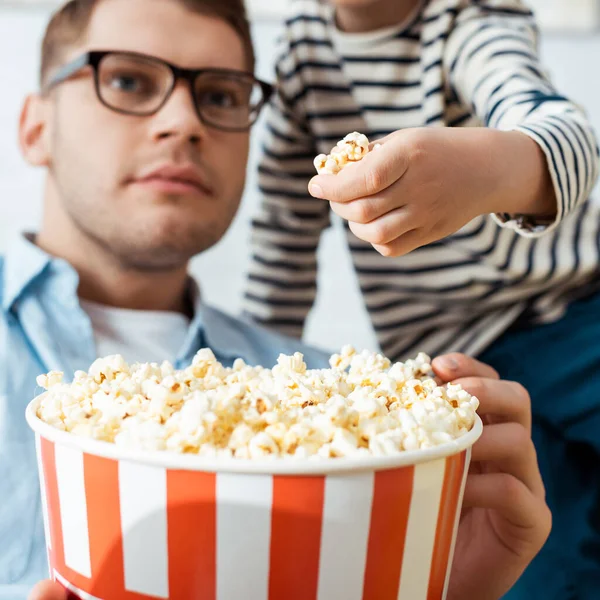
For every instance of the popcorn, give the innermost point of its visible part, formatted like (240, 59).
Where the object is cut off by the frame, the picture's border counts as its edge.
(362, 405)
(49, 380)
(294, 364)
(108, 368)
(320, 162)
(353, 148)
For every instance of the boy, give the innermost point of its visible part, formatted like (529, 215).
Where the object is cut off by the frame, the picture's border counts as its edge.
(470, 229)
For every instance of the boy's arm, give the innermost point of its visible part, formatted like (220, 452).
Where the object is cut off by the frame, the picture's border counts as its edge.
(282, 281)
(535, 160)
(493, 66)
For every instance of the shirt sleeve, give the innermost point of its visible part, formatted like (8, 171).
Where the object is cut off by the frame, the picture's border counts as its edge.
(282, 281)
(493, 66)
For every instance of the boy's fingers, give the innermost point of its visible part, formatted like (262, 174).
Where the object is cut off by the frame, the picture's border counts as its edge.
(406, 243)
(373, 174)
(363, 210)
(381, 141)
(385, 229)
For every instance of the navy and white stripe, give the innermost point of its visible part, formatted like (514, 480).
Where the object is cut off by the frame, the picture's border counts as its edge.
(454, 63)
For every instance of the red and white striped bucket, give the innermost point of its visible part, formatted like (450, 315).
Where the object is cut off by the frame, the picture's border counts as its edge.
(127, 525)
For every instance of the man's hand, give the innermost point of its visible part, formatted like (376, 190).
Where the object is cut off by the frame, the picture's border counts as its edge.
(422, 185)
(49, 590)
(505, 520)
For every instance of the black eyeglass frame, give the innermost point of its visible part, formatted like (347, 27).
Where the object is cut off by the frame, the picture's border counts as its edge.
(95, 57)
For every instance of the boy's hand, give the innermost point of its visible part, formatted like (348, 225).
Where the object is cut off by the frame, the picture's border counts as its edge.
(505, 520)
(422, 185)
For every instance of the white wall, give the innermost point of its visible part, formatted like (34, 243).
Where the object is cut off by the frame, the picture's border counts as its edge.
(339, 317)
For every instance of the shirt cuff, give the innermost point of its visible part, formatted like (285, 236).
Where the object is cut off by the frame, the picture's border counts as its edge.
(528, 225)
(525, 225)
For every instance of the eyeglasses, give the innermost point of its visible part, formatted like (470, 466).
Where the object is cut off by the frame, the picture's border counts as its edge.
(138, 84)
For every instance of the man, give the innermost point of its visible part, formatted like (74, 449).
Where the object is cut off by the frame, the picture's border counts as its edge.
(142, 127)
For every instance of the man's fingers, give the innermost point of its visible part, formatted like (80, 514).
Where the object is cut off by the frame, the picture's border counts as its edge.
(501, 492)
(49, 590)
(529, 517)
(501, 401)
(452, 366)
(373, 174)
(508, 448)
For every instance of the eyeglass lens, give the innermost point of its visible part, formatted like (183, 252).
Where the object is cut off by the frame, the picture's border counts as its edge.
(140, 86)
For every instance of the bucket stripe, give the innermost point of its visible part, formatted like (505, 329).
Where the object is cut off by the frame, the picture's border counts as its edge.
(421, 530)
(73, 509)
(54, 525)
(389, 522)
(296, 537)
(465, 472)
(143, 500)
(445, 525)
(244, 532)
(104, 522)
(348, 499)
(38, 447)
(191, 507)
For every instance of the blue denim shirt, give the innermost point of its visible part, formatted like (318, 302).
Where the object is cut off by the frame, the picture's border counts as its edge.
(42, 327)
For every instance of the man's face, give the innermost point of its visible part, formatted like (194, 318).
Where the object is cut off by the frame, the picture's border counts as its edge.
(100, 160)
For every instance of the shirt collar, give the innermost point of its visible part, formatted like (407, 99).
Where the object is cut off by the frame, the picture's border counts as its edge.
(25, 263)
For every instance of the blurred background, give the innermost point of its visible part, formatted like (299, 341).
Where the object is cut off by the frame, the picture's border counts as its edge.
(570, 49)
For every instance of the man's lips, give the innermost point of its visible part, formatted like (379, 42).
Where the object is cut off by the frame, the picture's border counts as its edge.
(172, 179)
(169, 186)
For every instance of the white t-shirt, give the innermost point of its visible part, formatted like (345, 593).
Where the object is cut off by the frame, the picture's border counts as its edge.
(138, 335)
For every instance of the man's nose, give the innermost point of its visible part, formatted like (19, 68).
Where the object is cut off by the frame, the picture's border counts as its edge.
(178, 117)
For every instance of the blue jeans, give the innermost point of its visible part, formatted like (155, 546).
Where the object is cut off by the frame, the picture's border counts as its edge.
(559, 364)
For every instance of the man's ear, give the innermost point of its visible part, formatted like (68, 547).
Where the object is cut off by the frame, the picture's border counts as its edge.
(34, 126)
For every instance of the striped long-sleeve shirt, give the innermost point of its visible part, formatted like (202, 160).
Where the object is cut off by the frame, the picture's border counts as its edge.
(453, 63)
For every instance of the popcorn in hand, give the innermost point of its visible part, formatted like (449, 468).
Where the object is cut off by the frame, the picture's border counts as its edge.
(354, 147)
(362, 405)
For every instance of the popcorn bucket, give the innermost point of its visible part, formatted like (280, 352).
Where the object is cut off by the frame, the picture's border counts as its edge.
(133, 525)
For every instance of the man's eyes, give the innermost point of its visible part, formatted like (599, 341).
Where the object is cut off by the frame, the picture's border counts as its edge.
(132, 83)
